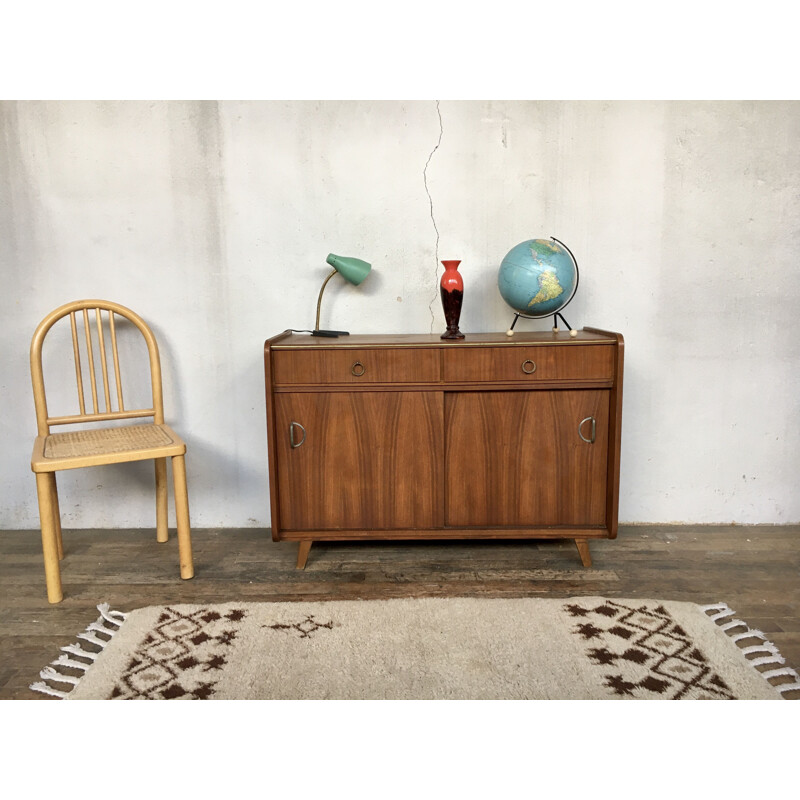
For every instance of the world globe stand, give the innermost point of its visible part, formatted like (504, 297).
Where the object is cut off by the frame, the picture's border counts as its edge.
(557, 315)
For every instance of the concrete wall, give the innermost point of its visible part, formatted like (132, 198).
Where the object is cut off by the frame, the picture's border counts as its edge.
(213, 220)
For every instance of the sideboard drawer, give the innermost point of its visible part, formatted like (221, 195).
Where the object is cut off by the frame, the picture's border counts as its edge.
(518, 363)
(378, 365)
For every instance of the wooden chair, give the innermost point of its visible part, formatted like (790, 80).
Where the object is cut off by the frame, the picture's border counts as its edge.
(103, 445)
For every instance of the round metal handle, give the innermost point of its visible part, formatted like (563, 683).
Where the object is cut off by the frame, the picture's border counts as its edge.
(358, 369)
(594, 430)
(528, 367)
(292, 442)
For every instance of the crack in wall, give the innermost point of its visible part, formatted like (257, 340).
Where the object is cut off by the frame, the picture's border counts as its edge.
(433, 219)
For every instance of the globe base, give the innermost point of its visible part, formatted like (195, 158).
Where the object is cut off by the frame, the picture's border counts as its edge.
(572, 333)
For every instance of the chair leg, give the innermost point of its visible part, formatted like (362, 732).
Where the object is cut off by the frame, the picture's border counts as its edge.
(56, 515)
(52, 571)
(162, 531)
(182, 517)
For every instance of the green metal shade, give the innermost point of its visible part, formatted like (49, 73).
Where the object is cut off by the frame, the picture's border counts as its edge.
(353, 270)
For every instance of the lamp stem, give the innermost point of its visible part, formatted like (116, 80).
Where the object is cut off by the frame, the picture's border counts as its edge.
(319, 301)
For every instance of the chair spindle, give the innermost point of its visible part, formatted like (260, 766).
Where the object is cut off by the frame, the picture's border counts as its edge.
(103, 362)
(91, 360)
(77, 354)
(115, 353)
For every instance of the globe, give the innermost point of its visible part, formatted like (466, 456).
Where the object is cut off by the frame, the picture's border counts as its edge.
(538, 277)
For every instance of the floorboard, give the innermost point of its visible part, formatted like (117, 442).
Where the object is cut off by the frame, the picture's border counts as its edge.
(755, 569)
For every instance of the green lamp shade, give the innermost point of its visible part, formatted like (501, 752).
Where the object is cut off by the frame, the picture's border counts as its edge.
(353, 270)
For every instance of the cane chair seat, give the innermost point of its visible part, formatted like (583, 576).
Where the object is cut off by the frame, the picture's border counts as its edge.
(89, 448)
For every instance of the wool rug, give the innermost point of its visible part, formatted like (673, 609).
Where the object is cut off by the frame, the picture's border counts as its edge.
(588, 648)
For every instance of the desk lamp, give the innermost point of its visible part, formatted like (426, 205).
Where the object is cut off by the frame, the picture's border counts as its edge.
(353, 270)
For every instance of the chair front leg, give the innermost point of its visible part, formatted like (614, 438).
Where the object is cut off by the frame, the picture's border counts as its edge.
(182, 517)
(56, 514)
(45, 488)
(162, 531)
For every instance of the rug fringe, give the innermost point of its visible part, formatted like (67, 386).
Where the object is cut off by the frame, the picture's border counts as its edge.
(723, 610)
(736, 623)
(52, 674)
(784, 672)
(66, 661)
(773, 656)
(41, 686)
(108, 623)
(77, 650)
(749, 634)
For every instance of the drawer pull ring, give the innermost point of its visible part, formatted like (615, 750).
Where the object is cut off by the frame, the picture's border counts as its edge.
(594, 430)
(528, 367)
(291, 434)
(358, 369)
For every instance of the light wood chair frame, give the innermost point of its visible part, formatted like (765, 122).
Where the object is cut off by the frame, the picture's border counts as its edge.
(45, 465)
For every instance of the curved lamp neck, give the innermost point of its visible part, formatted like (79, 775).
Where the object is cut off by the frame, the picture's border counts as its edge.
(319, 300)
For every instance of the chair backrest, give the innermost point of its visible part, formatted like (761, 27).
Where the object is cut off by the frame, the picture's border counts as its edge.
(79, 314)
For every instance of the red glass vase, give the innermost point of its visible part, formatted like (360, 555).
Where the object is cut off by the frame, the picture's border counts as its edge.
(451, 287)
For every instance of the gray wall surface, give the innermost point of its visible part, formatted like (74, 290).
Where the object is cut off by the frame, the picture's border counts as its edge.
(213, 221)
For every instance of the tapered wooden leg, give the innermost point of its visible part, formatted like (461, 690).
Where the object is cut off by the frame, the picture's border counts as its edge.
(302, 554)
(162, 532)
(182, 517)
(583, 550)
(52, 571)
(56, 514)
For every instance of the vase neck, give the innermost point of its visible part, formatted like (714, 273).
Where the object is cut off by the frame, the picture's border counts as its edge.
(451, 265)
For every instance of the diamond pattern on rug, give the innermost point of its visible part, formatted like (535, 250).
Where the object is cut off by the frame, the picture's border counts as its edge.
(304, 629)
(181, 658)
(649, 653)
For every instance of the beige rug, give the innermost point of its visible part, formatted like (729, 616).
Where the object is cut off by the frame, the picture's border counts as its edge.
(460, 648)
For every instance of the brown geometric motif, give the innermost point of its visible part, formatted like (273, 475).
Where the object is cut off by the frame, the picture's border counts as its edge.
(652, 654)
(305, 628)
(182, 658)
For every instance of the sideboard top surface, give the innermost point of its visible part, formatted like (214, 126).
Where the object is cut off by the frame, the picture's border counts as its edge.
(288, 340)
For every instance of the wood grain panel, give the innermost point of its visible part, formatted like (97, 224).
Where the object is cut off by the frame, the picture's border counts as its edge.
(515, 458)
(494, 532)
(289, 340)
(370, 460)
(567, 362)
(336, 366)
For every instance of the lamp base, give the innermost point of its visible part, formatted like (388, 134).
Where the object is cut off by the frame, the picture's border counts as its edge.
(330, 334)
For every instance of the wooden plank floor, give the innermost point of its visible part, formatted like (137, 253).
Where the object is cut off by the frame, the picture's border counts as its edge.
(756, 570)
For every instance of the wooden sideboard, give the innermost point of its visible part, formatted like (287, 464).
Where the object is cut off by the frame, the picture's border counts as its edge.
(415, 437)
